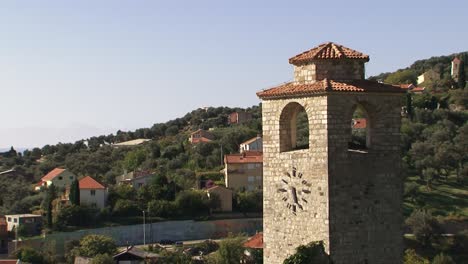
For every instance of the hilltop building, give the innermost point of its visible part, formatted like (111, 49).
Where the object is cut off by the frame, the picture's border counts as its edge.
(61, 178)
(239, 117)
(349, 198)
(455, 69)
(253, 144)
(244, 171)
(200, 136)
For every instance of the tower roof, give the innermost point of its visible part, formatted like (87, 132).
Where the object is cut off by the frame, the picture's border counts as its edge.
(328, 51)
(327, 85)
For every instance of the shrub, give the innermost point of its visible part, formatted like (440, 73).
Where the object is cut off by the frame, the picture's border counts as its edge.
(314, 252)
(192, 203)
(93, 245)
(460, 243)
(30, 255)
(75, 215)
(162, 208)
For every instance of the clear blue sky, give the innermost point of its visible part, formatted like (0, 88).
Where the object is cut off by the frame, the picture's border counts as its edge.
(74, 69)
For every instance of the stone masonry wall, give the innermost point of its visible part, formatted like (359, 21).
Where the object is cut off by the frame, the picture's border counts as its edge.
(365, 186)
(355, 198)
(336, 70)
(283, 230)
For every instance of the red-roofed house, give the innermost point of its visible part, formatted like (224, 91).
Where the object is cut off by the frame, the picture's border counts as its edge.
(10, 261)
(244, 171)
(61, 178)
(255, 242)
(200, 136)
(92, 192)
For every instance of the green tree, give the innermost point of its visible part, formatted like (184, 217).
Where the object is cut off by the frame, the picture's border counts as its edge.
(50, 197)
(29, 255)
(461, 75)
(443, 259)
(230, 250)
(134, 159)
(409, 106)
(102, 259)
(401, 76)
(192, 203)
(424, 226)
(74, 195)
(411, 257)
(93, 245)
(314, 252)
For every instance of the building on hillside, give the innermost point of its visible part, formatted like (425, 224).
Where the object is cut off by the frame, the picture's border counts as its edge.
(359, 123)
(418, 90)
(349, 198)
(252, 244)
(136, 179)
(61, 178)
(428, 76)
(455, 69)
(3, 235)
(239, 117)
(31, 223)
(131, 143)
(407, 86)
(244, 171)
(200, 136)
(92, 192)
(9, 173)
(135, 255)
(225, 197)
(253, 144)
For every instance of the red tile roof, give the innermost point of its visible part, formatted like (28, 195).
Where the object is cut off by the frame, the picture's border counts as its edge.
(406, 86)
(326, 85)
(418, 89)
(90, 183)
(52, 174)
(359, 123)
(246, 157)
(328, 51)
(201, 140)
(456, 60)
(8, 261)
(255, 241)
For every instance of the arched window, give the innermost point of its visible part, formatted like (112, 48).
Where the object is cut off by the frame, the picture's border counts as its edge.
(294, 128)
(360, 123)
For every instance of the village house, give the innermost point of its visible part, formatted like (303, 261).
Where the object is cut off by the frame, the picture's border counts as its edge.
(428, 76)
(239, 117)
(252, 244)
(61, 178)
(224, 195)
(253, 144)
(136, 179)
(31, 223)
(92, 192)
(412, 88)
(244, 171)
(200, 136)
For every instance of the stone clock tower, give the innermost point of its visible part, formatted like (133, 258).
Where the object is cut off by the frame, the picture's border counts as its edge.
(347, 195)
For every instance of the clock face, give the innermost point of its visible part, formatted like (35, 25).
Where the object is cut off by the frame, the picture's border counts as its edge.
(295, 190)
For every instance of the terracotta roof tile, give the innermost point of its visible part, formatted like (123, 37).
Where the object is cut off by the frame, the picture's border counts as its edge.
(52, 174)
(326, 85)
(328, 51)
(255, 241)
(246, 157)
(90, 183)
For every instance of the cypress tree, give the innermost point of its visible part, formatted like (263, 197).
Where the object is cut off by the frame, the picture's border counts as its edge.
(74, 195)
(461, 75)
(409, 105)
(51, 195)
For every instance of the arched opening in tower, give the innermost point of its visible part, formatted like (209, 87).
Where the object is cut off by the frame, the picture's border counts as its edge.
(360, 123)
(294, 128)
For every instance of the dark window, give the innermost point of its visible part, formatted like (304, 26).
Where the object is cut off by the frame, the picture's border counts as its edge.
(360, 123)
(294, 128)
(93, 192)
